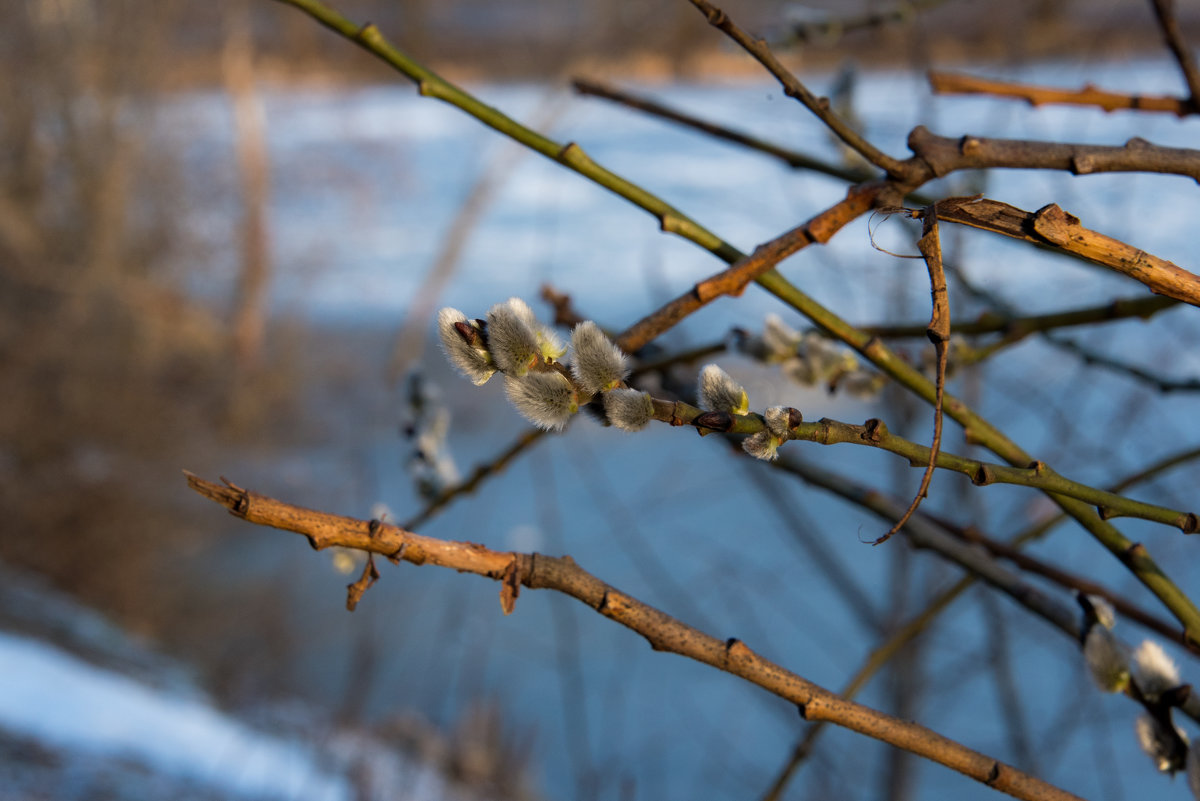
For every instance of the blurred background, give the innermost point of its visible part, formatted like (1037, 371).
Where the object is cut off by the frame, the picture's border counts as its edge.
(223, 234)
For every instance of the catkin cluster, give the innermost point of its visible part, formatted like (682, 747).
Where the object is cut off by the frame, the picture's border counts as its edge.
(1147, 674)
(547, 392)
(544, 390)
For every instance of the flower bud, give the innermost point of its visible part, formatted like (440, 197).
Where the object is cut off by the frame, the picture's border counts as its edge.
(717, 392)
(628, 409)
(545, 399)
(471, 358)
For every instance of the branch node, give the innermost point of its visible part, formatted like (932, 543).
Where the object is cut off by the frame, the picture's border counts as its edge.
(874, 430)
(713, 421)
(1191, 523)
(983, 475)
(1037, 466)
(510, 586)
(993, 774)
(969, 145)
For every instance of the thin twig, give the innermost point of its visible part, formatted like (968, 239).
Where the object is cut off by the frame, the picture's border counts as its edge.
(792, 158)
(938, 332)
(953, 83)
(897, 13)
(1021, 326)
(663, 632)
(916, 170)
(1164, 10)
(792, 87)
(874, 433)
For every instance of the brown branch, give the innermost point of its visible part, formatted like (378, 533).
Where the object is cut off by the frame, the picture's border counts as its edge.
(898, 13)
(945, 154)
(1051, 225)
(663, 632)
(792, 158)
(938, 332)
(991, 322)
(1164, 10)
(953, 83)
(732, 281)
(477, 477)
(792, 87)
(1074, 582)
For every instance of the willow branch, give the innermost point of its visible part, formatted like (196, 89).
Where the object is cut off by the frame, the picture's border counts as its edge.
(569, 155)
(1072, 581)
(917, 171)
(897, 13)
(1051, 225)
(953, 83)
(792, 87)
(488, 468)
(755, 267)
(663, 632)
(1133, 556)
(1020, 327)
(792, 158)
(945, 155)
(874, 433)
(1164, 10)
(1039, 530)
(938, 332)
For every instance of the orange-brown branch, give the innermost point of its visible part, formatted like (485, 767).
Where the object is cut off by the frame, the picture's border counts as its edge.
(663, 632)
(1050, 225)
(954, 83)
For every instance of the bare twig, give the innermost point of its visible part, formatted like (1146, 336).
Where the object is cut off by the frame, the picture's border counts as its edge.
(896, 13)
(938, 332)
(1051, 225)
(945, 155)
(1020, 327)
(485, 469)
(792, 87)
(1164, 10)
(663, 632)
(953, 83)
(733, 281)
(792, 158)
(874, 433)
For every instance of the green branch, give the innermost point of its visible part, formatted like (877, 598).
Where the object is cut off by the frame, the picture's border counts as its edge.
(874, 433)
(1132, 555)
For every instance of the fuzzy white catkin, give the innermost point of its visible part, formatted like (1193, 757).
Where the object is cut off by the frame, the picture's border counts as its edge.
(1156, 742)
(545, 399)
(1106, 658)
(1153, 670)
(474, 363)
(596, 362)
(762, 445)
(777, 418)
(512, 336)
(717, 392)
(628, 409)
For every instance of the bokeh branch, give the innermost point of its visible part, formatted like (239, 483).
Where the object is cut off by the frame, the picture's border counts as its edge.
(953, 83)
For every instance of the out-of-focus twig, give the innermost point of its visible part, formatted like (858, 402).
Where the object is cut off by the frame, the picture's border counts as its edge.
(1164, 10)
(792, 87)
(954, 83)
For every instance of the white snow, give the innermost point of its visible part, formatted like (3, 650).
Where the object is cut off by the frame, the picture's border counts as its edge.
(63, 702)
